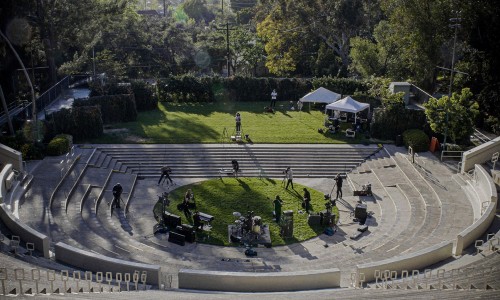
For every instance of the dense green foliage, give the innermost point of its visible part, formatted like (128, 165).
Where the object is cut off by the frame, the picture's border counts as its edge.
(453, 116)
(188, 88)
(399, 40)
(393, 118)
(59, 145)
(114, 108)
(143, 92)
(80, 122)
(417, 139)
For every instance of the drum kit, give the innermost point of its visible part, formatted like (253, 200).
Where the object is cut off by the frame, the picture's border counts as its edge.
(246, 228)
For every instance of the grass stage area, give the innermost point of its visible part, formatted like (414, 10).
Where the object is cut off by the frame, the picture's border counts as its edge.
(222, 197)
(205, 123)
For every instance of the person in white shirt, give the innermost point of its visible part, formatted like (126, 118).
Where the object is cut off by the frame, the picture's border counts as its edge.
(274, 95)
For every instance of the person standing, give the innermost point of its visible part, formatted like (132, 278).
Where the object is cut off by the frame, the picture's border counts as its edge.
(307, 200)
(185, 206)
(289, 176)
(236, 167)
(278, 204)
(274, 95)
(117, 193)
(237, 118)
(338, 181)
(165, 172)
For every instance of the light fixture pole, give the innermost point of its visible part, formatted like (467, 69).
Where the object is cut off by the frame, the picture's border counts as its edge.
(33, 99)
(454, 24)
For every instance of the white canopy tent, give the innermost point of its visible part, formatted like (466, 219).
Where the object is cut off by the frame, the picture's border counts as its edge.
(348, 104)
(321, 95)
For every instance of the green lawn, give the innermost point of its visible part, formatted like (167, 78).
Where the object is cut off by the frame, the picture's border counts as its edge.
(205, 123)
(222, 197)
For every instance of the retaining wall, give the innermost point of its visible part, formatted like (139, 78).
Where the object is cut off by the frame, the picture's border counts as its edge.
(99, 263)
(413, 261)
(11, 156)
(258, 282)
(25, 233)
(485, 188)
(479, 154)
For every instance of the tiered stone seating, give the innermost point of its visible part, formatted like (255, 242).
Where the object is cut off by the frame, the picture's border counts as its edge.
(254, 160)
(402, 221)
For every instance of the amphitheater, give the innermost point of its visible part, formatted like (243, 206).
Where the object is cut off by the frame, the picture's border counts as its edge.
(432, 227)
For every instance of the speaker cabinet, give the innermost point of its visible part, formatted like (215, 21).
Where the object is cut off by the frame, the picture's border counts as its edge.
(187, 231)
(176, 238)
(172, 221)
(314, 219)
(360, 212)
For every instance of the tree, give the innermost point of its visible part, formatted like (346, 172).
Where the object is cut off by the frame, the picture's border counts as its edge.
(197, 10)
(293, 28)
(453, 116)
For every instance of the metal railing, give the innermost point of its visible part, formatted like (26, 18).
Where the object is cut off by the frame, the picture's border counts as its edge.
(451, 154)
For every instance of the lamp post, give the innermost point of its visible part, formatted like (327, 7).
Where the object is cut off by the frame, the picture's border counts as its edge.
(454, 24)
(33, 99)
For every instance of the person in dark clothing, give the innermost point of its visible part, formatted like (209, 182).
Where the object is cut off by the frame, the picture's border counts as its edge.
(278, 203)
(117, 193)
(338, 181)
(198, 225)
(236, 167)
(307, 200)
(289, 176)
(237, 118)
(165, 172)
(185, 207)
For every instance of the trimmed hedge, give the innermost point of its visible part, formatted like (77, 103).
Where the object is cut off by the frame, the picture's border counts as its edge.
(59, 145)
(387, 124)
(189, 88)
(417, 139)
(143, 92)
(114, 108)
(81, 122)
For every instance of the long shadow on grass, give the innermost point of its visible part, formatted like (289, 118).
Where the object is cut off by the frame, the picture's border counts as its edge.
(178, 130)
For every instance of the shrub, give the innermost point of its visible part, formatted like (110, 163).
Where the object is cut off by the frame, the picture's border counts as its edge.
(32, 151)
(417, 139)
(59, 145)
(81, 122)
(114, 108)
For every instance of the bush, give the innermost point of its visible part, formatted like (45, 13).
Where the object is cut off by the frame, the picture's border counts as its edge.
(32, 151)
(81, 122)
(417, 139)
(114, 108)
(59, 145)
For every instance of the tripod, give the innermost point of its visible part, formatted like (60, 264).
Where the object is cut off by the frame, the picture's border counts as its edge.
(283, 182)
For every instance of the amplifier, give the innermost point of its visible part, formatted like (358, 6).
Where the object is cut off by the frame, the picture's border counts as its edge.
(314, 219)
(176, 238)
(171, 220)
(187, 231)
(360, 212)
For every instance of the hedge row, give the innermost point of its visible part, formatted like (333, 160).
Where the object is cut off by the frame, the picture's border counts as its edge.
(387, 124)
(143, 92)
(114, 108)
(417, 139)
(80, 122)
(189, 88)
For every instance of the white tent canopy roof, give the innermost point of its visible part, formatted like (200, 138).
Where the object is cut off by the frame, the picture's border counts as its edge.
(348, 105)
(321, 95)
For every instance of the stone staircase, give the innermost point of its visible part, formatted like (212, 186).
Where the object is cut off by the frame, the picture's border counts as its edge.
(206, 161)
